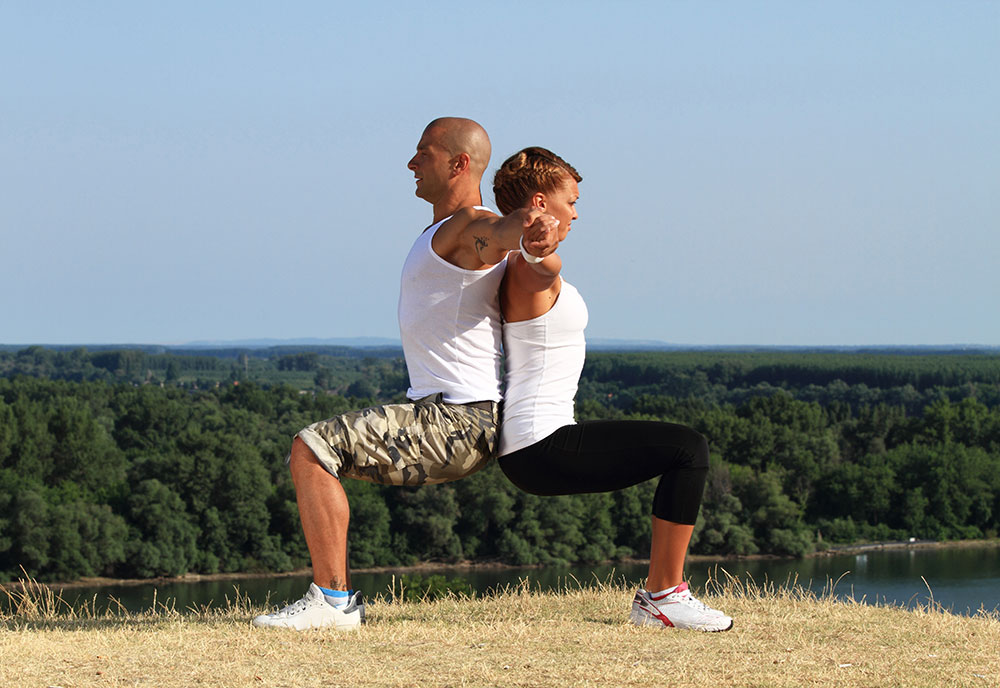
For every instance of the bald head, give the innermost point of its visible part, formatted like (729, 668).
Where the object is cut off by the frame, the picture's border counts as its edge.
(461, 135)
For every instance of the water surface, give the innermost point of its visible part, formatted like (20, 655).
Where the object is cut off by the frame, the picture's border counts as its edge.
(963, 580)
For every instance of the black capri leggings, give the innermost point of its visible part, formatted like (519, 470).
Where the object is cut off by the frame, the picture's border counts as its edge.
(606, 455)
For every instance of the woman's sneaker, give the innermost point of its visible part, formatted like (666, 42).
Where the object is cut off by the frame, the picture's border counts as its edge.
(678, 609)
(313, 611)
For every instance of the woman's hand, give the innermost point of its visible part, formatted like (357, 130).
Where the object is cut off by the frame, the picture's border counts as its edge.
(540, 236)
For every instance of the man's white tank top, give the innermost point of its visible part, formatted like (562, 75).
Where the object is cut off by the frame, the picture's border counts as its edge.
(545, 357)
(449, 321)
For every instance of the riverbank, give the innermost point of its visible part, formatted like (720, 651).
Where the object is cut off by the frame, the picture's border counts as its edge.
(905, 544)
(581, 637)
(429, 568)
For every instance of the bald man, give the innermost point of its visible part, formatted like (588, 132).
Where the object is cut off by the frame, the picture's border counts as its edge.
(449, 322)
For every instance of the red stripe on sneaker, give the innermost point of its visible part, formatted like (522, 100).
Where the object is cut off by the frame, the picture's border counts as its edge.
(654, 612)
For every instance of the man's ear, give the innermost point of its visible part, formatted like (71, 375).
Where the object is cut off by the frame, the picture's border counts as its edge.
(538, 201)
(460, 163)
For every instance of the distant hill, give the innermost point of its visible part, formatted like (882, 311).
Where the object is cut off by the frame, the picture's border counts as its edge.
(600, 344)
(360, 342)
(597, 344)
(388, 346)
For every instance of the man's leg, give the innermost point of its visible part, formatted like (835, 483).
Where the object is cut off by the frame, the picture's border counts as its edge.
(399, 444)
(325, 514)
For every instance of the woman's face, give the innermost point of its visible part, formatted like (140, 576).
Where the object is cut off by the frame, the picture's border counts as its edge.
(560, 204)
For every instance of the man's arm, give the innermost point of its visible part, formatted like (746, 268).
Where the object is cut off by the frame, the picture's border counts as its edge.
(474, 239)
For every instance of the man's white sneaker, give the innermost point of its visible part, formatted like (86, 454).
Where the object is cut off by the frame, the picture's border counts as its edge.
(313, 611)
(678, 609)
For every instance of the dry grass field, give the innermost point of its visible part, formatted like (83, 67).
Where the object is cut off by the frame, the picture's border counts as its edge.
(784, 636)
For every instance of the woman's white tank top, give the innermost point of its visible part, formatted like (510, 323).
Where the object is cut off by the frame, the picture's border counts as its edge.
(545, 357)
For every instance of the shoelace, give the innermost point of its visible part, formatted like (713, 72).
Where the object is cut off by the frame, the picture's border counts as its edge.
(687, 598)
(294, 607)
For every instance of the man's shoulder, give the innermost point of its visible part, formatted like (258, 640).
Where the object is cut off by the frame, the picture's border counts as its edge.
(462, 218)
(469, 213)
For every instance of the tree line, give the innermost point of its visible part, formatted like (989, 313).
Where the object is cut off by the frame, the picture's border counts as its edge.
(117, 477)
(374, 371)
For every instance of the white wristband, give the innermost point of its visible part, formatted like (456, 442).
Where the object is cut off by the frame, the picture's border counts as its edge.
(527, 256)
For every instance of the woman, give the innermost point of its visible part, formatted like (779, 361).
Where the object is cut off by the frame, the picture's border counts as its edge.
(543, 451)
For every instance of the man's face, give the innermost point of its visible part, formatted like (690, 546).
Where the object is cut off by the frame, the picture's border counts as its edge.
(431, 166)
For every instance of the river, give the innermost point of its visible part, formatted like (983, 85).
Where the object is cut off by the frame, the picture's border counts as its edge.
(960, 579)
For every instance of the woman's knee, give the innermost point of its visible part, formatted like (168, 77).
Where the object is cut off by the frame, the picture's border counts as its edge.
(697, 446)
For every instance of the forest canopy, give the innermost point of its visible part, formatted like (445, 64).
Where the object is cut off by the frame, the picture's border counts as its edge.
(131, 463)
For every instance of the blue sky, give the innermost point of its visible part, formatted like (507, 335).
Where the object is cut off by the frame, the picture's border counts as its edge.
(783, 173)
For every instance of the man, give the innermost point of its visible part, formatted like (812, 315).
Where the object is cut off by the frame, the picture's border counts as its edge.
(449, 320)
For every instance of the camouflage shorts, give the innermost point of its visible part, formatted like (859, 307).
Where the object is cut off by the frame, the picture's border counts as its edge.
(419, 443)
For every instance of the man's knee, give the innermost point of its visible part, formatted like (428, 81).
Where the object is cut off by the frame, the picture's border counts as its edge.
(301, 458)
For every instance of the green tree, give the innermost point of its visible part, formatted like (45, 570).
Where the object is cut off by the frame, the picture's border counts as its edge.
(162, 539)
